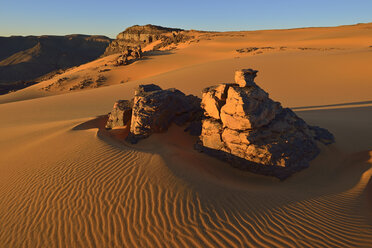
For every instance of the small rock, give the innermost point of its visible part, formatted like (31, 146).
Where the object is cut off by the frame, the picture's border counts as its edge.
(245, 77)
(120, 115)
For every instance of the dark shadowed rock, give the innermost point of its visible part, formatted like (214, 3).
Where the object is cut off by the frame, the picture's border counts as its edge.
(243, 126)
(121, 114)
(27, 58)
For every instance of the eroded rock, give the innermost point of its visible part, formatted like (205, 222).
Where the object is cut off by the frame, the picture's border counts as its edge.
(138, 36)
(211, 133)
(129, 55)
(245, 77)
(245, 127)
(248, 107)
(213, 99)
(239, 124)
(121, 114)
(155, 109)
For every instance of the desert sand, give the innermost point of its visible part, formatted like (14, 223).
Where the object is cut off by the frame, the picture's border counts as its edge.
(66, 182)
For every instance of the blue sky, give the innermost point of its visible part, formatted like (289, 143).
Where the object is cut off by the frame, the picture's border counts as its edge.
(37, 17)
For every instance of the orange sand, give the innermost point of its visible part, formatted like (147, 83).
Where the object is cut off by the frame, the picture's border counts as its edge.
(65, 183)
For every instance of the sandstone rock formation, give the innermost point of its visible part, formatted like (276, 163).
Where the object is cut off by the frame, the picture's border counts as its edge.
(243, 126)
(129, 54)
(153, 110)
(121, 114)
(237, 123)
(137, 36)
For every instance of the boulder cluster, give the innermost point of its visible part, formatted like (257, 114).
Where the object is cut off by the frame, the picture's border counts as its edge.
(236, 122)
(129, 54)
(243, 126)
(153, 110)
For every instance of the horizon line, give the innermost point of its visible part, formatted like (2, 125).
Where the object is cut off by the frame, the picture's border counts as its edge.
(199, 30)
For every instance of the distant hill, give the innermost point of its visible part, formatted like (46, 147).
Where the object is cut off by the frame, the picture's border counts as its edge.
(26, 58)
(140, 35)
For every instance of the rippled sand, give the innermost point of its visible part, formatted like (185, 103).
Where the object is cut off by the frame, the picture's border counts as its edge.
(66, 182)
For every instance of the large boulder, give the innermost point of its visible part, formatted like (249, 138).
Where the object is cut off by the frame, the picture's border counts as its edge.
(155, 109)
(243, 126)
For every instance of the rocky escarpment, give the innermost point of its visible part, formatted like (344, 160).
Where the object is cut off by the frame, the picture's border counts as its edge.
(246, 128)
(153, 110)
(27, 58)
(143, 35)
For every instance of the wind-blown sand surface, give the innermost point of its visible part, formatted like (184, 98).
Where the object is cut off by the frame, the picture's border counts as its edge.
(65, 183)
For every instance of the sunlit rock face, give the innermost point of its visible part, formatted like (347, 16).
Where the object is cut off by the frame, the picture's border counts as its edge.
(138, 36)
(236, 122)
(243, 126)
(154, 109)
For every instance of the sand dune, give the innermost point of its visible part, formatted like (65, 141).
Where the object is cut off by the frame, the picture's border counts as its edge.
(88, 190)
(64, 182)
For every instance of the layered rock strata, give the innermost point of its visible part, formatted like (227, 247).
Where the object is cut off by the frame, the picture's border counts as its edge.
(246, 128)
(138, 36)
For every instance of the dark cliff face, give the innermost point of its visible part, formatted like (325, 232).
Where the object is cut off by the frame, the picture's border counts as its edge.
(138, 36)
(26, 58)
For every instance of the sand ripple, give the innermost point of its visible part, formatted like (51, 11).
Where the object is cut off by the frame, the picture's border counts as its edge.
(90, 193)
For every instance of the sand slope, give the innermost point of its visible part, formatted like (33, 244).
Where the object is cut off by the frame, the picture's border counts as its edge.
(65, 183)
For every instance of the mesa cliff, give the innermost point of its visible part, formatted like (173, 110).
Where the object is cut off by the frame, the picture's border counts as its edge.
(143, 35)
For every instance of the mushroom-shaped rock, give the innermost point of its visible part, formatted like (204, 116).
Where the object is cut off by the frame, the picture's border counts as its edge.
(249, 130)
(245, 77)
